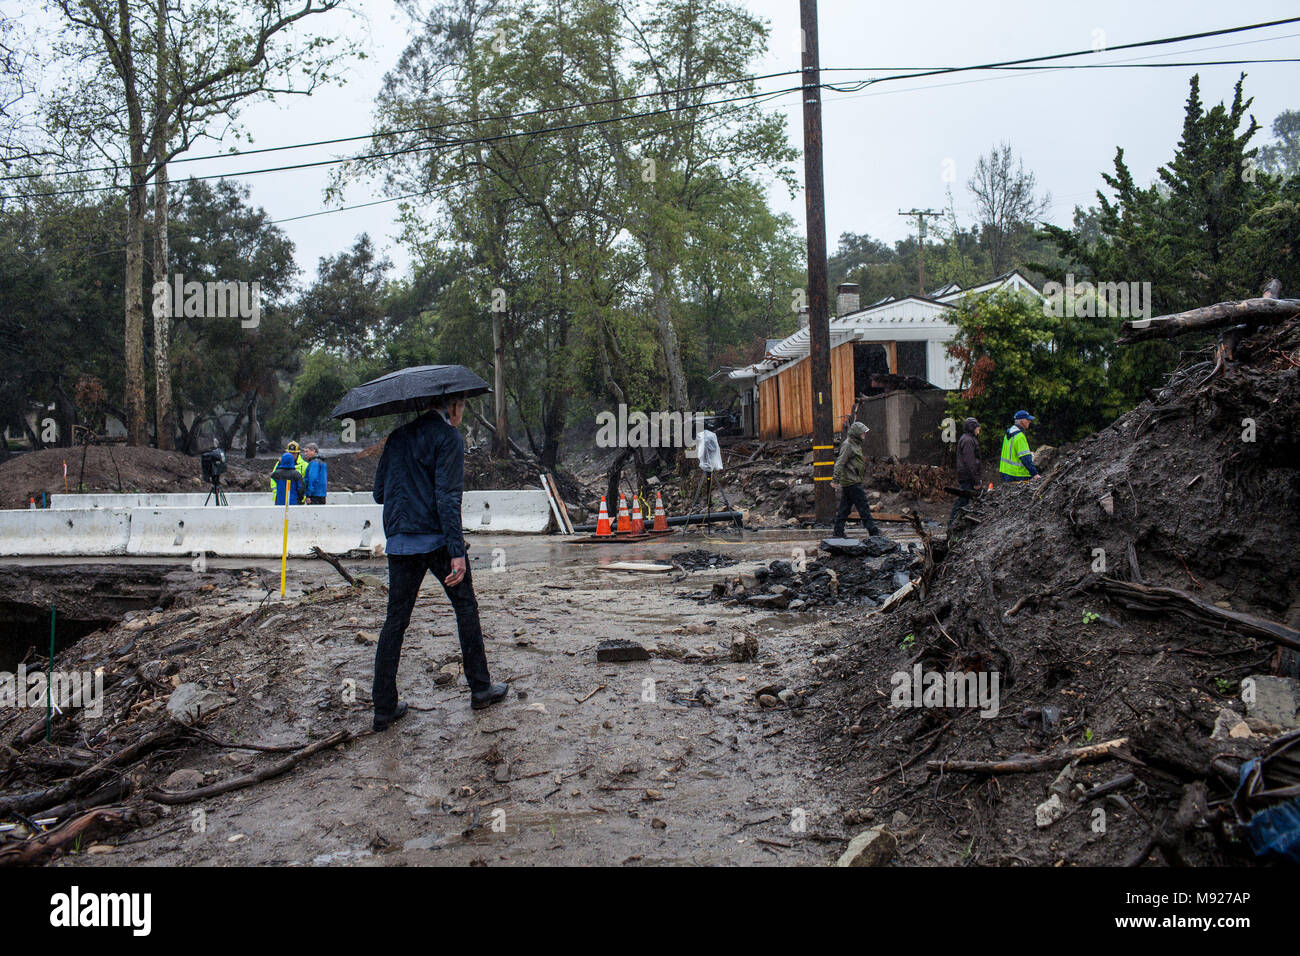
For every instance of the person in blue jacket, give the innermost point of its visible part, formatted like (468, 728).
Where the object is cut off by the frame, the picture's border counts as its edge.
(288, 481)
(316, 478)
(419, 481)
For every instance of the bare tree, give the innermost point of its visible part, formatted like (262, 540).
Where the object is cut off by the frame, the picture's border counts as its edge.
(145, 79)
(1006, 204)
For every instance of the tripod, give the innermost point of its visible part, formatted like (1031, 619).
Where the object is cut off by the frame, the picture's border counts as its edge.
(215, 492)
(705, 484)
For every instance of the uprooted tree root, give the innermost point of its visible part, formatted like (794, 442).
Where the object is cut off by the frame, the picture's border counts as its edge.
(1123, 598)
(100, 777)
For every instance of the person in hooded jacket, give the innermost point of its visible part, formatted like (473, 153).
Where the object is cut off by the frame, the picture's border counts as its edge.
(287, 480)
(849, 474)
(968, 464)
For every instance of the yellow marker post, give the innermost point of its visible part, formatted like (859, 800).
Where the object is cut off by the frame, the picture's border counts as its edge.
(284, 551)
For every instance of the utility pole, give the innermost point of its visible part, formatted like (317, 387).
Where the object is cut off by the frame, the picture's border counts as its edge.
(920, 215)
(819, 331)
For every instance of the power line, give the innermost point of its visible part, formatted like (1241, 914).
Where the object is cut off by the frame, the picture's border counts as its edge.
(417, 129)
(1021, 63)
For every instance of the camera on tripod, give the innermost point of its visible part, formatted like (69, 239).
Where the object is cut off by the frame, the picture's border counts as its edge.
(213, 463)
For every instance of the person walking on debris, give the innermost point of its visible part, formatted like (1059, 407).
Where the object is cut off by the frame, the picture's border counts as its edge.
(287, 481)
(968, 464)
(850, 470)
(300, 465)
(315, 476)
(419, 482)
(1017, 460)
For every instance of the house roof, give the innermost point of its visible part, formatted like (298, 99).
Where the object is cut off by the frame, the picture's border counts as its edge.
(885, 313)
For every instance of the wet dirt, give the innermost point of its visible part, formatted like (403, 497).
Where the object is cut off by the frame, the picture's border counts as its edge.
(669, 760)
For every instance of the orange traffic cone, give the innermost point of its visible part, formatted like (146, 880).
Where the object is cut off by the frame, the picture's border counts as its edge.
(638, 523)
(602, 520)
(990, 486)
(661, 516)
(624, 519)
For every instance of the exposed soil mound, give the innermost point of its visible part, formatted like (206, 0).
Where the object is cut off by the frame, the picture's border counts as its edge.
(114, 469)
(1098, 598)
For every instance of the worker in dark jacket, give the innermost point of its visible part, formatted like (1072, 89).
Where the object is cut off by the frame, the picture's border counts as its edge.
(419, 481)
(287, 480)
(968, 464)
(850, 472)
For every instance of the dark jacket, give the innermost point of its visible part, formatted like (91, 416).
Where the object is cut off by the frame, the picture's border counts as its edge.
(968, 456)
(420, 479)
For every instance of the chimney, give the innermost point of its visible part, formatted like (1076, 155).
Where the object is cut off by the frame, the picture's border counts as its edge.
(803, 317)
(846, 298)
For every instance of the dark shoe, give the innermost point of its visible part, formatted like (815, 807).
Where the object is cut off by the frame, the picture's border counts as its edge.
(383, 723)
(486, 698)
(837, 533)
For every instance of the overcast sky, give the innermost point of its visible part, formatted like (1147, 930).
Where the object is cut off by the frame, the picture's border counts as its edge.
(888, 147)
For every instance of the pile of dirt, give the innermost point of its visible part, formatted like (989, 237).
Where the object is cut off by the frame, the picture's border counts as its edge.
(867, 579)
(116, 469)
(701, 559)
(356, 472)
(1121, 601)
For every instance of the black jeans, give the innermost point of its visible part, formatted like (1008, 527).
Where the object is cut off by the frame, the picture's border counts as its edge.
(405, 574)
(853, 496)
(962, 500)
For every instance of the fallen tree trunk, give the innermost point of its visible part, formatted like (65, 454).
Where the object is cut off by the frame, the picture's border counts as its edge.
(247, 780)
(1208, 317)
(1028, 764)
(1147, 597)
(47, 845)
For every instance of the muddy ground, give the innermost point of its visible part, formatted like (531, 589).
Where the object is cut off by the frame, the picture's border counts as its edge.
(669, 760)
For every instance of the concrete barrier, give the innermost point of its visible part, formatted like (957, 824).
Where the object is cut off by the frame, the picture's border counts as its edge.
(252, 529)
(255, 532)
(100, 531)
(189, 500)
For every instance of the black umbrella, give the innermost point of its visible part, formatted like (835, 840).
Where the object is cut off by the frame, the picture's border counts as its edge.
(409, 390)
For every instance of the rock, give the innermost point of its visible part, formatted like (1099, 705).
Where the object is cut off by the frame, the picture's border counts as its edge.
(658, 824)
(653, 795)
(777, 601)
(447, 673)
(750, 582)
(1049, 811)
(856, 816)
(767, 700)
(1229, 723)
(781, 569)
(898, 820)
(901, 579)
(183, 780)
(367, 637)
(1277, 700)
(744, 647)
(189, 701)
(875, 547)
(874, 847)
(790, 698)
(849, 546)
(1063, 782)
(619, 650)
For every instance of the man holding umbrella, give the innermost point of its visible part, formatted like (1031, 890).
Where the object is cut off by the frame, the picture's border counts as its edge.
(419, 482)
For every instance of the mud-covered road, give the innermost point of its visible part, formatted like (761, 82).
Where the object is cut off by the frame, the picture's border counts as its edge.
(668, 760)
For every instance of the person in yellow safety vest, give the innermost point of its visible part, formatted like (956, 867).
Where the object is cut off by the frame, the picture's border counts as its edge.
(300, 464)
(1017, 462)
